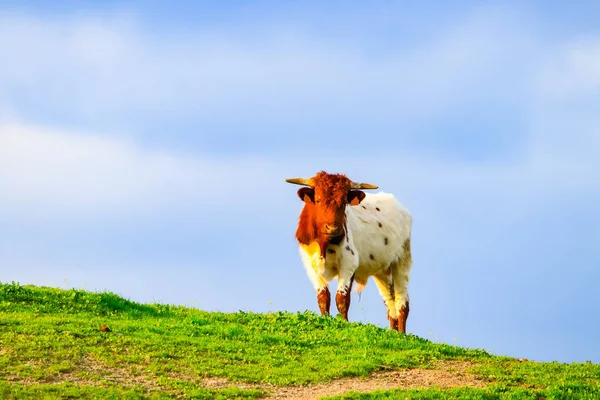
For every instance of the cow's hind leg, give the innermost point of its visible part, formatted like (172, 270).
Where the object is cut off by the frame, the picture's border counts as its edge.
(385, 284)
(400, 274)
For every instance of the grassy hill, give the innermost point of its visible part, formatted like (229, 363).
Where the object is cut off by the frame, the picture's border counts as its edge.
(58, 343)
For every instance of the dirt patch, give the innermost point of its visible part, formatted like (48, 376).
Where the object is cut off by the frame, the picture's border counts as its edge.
(448, 374)
(91, 372)
(224, 383)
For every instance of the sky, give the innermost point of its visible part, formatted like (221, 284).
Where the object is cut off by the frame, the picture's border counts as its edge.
(144, 149)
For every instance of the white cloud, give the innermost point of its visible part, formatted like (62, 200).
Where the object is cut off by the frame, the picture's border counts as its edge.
(574, 71)
(115, 68)
(49, 169)
(564, 120)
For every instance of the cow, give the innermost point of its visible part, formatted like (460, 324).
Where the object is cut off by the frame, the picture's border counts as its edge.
(345, 233)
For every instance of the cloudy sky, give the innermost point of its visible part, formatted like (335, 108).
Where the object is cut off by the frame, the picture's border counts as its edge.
(144, 147)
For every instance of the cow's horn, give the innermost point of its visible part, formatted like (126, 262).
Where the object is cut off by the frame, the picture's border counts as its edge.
(300, 181)
(363, 186)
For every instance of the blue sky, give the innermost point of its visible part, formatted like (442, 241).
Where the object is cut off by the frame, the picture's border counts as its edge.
(144, 147)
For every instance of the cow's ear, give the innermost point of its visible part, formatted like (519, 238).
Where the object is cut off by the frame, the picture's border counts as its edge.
(355, 197)
(307, 194)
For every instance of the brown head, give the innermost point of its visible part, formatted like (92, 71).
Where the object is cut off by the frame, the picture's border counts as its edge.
(323, 218)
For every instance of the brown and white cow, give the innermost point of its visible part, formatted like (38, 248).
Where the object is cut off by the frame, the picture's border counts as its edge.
(345, 233)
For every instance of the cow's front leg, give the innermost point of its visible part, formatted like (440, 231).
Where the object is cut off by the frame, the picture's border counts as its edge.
(324, 300)
(320, 278)
(342, 297)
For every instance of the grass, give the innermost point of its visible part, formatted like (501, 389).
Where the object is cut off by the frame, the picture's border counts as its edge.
(51, 346)
(491, 393)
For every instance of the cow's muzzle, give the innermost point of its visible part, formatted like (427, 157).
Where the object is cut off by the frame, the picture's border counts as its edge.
(332, 230)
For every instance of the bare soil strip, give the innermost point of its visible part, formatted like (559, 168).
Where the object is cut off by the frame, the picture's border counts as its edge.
(446, 375)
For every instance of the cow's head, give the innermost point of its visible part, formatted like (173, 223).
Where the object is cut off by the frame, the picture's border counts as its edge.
(324, 215)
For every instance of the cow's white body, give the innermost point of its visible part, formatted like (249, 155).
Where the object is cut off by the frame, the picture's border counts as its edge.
(377, 243)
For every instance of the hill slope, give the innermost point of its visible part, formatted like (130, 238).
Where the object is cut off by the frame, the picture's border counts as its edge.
(70, 343)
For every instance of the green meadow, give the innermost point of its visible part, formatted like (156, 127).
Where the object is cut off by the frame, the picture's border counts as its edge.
(57, 343)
